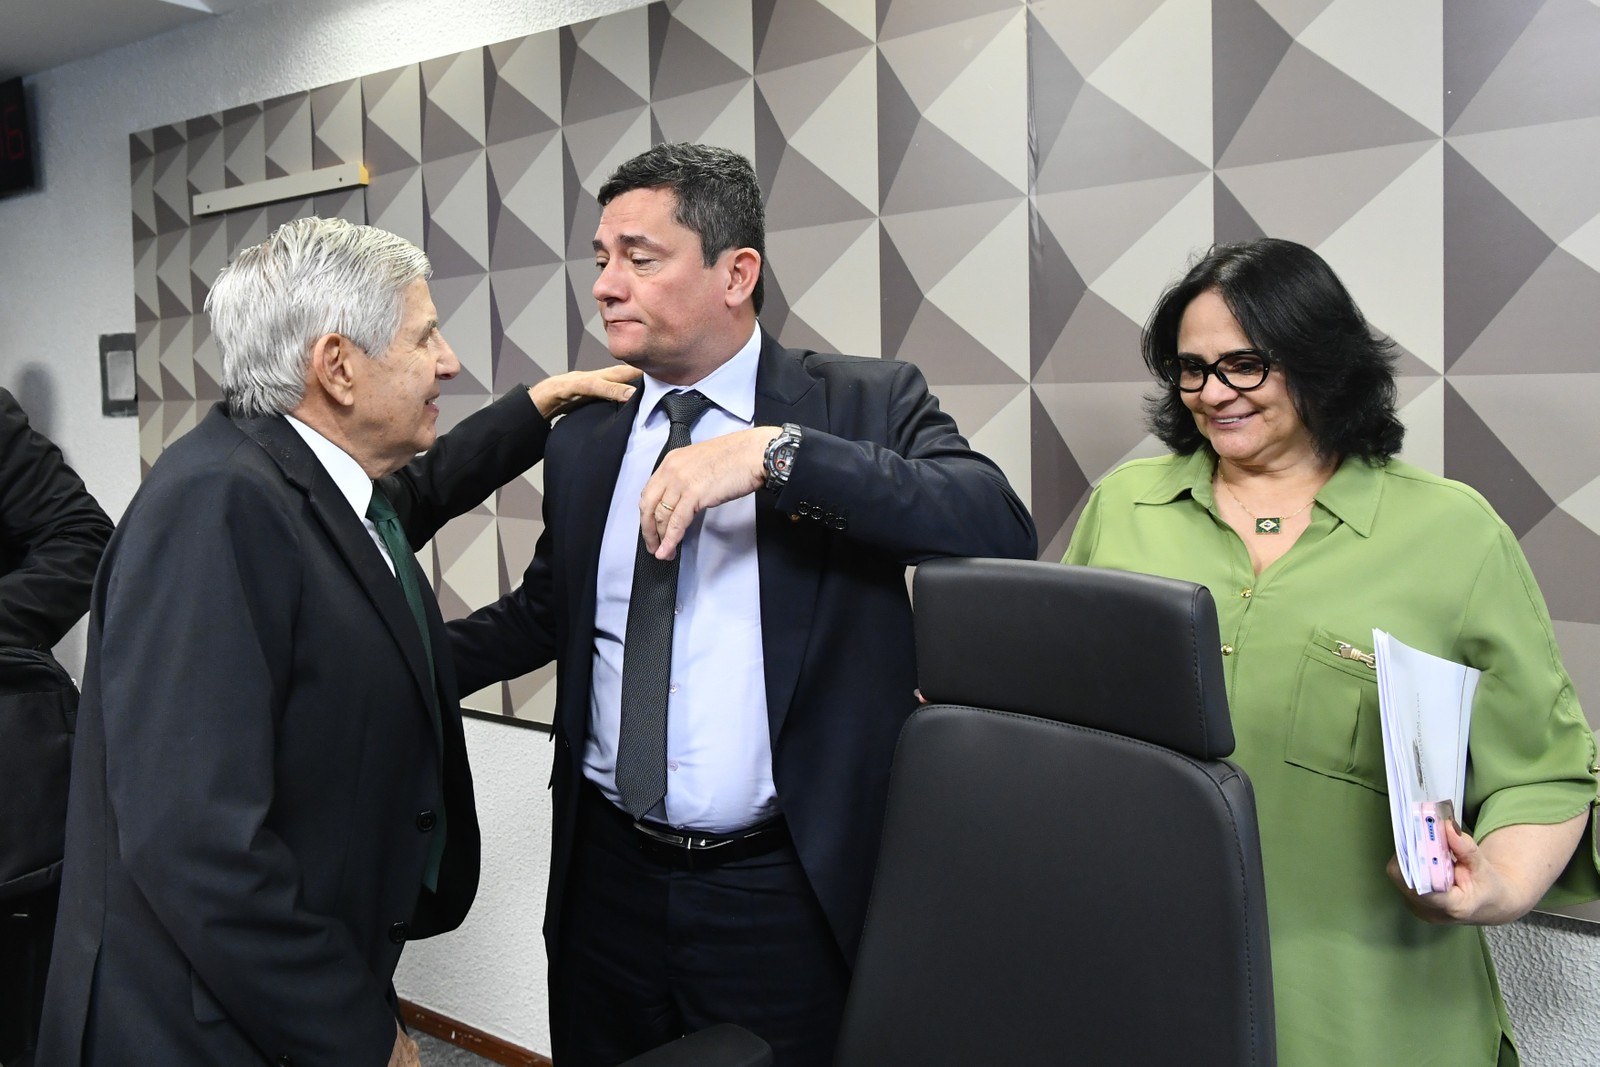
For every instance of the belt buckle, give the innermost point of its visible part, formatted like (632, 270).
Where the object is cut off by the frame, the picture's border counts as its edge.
(686, 842)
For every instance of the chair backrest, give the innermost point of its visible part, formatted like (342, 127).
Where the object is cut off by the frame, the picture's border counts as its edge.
(1070, 871)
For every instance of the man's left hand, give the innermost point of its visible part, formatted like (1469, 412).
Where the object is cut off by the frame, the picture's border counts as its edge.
(560, 393)
(696, 477)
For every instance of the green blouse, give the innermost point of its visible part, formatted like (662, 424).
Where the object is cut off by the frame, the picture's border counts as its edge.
(1356, 977)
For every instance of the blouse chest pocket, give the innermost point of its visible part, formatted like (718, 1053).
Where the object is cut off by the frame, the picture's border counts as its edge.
(1334, 726)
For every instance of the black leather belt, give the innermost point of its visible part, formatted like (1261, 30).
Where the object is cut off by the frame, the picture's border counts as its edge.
(689, 850)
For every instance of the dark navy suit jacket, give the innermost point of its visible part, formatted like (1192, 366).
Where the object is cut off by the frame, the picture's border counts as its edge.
(882, 480)
(256, 762)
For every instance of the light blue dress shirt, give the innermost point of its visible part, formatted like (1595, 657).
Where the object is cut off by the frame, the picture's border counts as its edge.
(719, 748)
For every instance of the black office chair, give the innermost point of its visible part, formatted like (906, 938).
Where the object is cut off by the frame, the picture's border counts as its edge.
(1070, 871)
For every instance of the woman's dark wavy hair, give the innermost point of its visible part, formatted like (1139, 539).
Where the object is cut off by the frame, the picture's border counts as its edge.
(1293, 307)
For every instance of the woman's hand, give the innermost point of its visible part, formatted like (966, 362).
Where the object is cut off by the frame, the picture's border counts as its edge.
(1499, 880)
(560, 393)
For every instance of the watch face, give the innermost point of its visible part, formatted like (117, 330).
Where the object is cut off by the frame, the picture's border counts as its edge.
(780, 455)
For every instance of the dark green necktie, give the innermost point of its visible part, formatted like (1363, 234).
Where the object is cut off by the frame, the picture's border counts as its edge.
(647, 648)
(393, 536)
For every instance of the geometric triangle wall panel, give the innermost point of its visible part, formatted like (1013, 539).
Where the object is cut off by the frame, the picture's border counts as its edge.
(1390, 253)
(1178, 104)
(1491, 249)
(1477, 455)
(1545, 72)
(1309, 107)
(1375, 44)
(336, 124)
(995, 190)
(1309, 198)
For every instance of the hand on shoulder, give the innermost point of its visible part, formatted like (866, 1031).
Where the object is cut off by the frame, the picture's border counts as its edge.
(560, 393)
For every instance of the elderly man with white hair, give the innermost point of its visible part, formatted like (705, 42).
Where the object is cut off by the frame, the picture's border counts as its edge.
(270, 788)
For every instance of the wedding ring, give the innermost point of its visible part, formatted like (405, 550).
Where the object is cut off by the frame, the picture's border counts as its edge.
(664, 505)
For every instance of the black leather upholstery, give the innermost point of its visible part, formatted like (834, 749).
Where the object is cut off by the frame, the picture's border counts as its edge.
(1130, 653)
(1070, 874)
(1070, 871)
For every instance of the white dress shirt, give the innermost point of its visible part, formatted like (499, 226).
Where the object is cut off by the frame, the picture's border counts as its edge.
(347, 474)
(719, 748)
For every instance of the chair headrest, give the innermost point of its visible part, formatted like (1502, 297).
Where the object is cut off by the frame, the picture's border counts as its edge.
(1130, 654)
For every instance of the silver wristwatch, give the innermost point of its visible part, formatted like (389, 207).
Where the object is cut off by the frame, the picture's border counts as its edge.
(779, 457)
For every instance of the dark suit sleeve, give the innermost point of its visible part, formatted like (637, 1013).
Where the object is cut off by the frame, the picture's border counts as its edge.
(485, 451)
(51, 536)
(197, 662)
(515, 634)
(920, 493)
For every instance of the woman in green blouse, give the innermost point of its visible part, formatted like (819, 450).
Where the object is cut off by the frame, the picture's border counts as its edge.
(1282, 497)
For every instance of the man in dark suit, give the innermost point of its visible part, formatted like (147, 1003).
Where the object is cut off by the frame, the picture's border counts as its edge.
(270, 789)
(724, 733)
(52, 533)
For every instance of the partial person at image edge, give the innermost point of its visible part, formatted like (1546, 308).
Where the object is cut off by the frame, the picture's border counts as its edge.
(52, 534)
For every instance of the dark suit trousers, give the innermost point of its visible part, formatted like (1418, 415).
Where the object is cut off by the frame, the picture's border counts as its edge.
(649, 953)
(27, 924)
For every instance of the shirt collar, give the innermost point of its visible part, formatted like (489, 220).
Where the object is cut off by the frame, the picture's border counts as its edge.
(1191, 476)
(1352, 494)
(346, 473)
(731, 387)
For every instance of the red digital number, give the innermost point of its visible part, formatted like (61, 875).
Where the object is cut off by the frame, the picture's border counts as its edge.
(16, 146)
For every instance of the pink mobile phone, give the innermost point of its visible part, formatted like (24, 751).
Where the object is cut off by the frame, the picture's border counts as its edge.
(1431, 817)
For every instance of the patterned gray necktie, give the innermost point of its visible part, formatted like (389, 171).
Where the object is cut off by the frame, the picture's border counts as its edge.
(647, 648)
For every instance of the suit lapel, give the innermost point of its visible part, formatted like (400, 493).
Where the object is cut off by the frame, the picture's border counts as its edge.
(582, 511)
(789, 557)
(349, 537)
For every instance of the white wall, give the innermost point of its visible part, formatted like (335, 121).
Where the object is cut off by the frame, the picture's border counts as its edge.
(1550, 975)
(66, 276)
(491, 973)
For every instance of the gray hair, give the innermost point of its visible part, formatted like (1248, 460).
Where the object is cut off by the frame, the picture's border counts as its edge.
(311, 277)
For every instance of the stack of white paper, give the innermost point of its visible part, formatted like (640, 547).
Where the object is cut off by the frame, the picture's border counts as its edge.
(1426, 705)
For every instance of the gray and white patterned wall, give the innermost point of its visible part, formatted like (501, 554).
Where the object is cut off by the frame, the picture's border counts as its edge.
(996, 190)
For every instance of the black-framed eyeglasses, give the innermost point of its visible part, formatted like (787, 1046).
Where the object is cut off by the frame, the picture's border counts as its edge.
(1240, 371)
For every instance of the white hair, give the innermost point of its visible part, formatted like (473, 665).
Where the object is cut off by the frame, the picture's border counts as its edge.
(311, 277)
